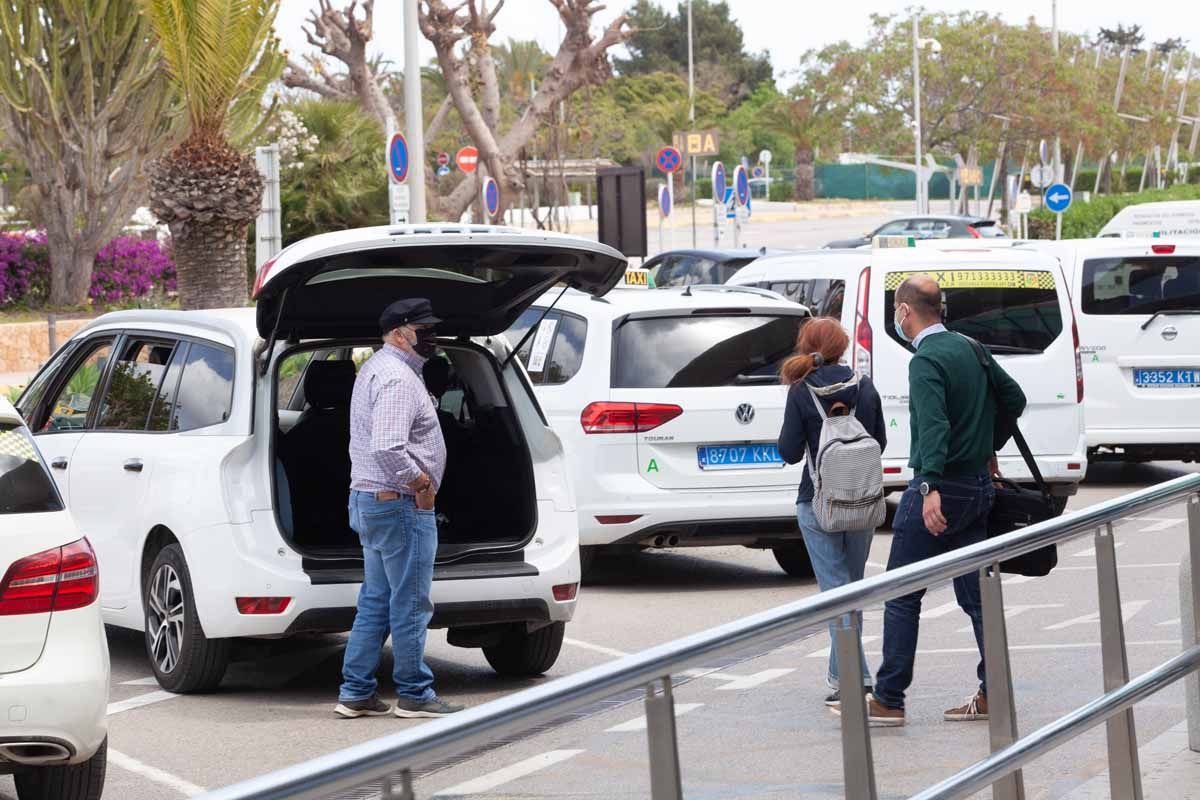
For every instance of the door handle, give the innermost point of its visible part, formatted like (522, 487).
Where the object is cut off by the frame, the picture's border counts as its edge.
(59, 463)
(133, 465)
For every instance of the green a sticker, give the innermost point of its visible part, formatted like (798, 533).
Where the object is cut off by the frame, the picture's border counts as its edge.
(652, 466)
(892, 424)
(1095, 358)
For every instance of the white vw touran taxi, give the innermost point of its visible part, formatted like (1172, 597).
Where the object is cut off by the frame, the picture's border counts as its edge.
(208, 451)
(1016, 302)
(53, 655)
(669, 404)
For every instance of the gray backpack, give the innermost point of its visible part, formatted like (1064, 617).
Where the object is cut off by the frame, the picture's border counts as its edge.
(847, 471)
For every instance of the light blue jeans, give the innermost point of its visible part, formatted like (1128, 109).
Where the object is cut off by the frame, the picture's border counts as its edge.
(837, 559)
(399, 542)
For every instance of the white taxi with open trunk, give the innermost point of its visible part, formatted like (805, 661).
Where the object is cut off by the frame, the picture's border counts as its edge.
(208, 451)
(669, 404)
(53, 655)
(1016, 302)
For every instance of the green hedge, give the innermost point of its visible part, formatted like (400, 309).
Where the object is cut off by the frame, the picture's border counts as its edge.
(1084, 220)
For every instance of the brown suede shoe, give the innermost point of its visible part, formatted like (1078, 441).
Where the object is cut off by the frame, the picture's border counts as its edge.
(974, 709)
(882, 716)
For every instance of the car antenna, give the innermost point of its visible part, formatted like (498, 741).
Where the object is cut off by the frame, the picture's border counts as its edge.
(687, 291)
(533, 328)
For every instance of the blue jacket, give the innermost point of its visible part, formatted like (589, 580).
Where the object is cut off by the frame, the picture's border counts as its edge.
(802, 423)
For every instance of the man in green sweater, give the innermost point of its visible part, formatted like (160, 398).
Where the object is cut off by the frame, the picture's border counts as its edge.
(954, 440)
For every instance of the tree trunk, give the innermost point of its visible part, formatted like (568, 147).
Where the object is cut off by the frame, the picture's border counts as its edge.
(71, 262)
(210, 262)
(805, 172)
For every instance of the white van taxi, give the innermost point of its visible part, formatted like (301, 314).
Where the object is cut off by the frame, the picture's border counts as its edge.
(669, 405)
(1138, 305)
(1173, 219)
(1015, 302)
(224, 436)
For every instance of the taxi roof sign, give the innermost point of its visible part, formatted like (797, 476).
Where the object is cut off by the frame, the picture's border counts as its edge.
(893, 241)
(635, 278)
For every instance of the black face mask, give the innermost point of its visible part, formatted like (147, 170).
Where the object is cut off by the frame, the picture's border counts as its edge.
(426, 344)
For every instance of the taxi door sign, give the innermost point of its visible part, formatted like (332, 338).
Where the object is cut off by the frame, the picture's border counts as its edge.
(638, 278)
(977, 279)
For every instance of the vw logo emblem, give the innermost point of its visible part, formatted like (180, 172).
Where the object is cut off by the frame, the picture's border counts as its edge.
(1170, 332)
(744, 413)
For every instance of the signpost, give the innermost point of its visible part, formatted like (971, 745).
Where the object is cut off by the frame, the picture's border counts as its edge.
(1042, 175)
(399, 199)
(443, 159)
(1024, 206)
(718, 195)
(668, 160)
(741, 193)
(1058, 199)
(491, 197)
(398, 158)
(691, 144)
(764, 158)
(758, 172)
(467, 159)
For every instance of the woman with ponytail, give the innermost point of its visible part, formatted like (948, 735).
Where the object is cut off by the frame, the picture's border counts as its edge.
(838, 557)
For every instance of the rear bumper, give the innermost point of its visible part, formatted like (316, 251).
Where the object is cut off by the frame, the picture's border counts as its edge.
(1185, 436)
(63, 698)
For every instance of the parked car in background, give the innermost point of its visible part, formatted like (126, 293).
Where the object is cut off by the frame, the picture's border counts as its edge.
(929, 226)
(208, 450)
(1175, 219)
(54, 668)
(689, 267)
(669, 405)
(1016, 302)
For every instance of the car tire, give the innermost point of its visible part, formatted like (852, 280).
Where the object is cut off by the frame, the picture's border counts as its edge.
(794, 559)
(184, 660)
(66, 782)
(524, 654)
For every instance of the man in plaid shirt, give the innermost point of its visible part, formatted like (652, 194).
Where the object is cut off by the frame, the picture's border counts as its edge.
(397, 458)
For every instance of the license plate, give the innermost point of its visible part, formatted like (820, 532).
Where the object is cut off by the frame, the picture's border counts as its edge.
(739, 456)
(1166, 378)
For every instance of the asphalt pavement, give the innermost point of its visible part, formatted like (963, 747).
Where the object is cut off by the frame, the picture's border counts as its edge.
(754, 728)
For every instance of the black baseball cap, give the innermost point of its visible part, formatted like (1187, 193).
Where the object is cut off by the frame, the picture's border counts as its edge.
(411, 311)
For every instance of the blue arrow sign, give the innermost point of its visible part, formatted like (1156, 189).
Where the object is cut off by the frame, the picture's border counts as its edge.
(730, 209)
(1058, 197)
(398, 158)
(718, 181)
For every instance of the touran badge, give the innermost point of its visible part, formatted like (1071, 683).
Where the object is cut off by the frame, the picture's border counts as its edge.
(744, 413)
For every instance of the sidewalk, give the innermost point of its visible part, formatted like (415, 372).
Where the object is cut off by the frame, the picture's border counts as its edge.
(1170, 771)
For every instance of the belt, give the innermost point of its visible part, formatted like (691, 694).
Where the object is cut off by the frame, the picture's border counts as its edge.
(387, 496)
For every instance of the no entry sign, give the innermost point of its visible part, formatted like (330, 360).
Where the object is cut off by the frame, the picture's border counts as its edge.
(467, 159)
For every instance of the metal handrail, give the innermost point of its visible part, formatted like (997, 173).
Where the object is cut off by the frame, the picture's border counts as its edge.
(408, 750)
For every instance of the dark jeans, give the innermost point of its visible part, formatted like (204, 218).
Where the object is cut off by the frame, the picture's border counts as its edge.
(966, 501)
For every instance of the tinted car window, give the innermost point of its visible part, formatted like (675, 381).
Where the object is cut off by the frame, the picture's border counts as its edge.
(69, 410)
(36, 390)
(678, 352)
(686, 270)
(25, 485)
(134, 384)
(893, 228)
(822, 296)
(164, 401)
(554, 353)
(205, 394)
(1009, 311)
(1140, 285)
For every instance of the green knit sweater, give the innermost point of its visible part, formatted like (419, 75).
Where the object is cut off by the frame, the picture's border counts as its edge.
(952, 415)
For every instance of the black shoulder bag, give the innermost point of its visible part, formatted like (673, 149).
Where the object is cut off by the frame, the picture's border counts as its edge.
(1015, 507)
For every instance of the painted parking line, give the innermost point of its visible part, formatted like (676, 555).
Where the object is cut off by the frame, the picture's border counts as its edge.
(824, 651)
(732, 682)
(1129, 609)
(1091, 551)
(757, 679)
(1167, 622)
(1092, 567)
(595, 648)
(137, 701)
(939, 611)
(492, 780)
(153, 774)
(1014, 610)
(947, 651)
(639, 723)
(149, 680)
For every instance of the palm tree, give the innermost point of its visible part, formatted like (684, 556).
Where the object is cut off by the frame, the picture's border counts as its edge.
(221, 55)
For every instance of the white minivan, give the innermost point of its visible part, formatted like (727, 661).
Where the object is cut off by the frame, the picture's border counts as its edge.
(206, 452)
(1138, 305)
(1015, 302)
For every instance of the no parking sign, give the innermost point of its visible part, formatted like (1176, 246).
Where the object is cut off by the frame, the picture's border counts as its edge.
(491, 196)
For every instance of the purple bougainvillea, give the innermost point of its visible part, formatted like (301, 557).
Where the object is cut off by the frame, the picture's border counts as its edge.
(126, 268)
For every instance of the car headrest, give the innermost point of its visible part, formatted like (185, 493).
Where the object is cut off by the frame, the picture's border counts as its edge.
(329, 384)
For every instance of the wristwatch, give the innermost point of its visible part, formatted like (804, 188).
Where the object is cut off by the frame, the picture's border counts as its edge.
(925, 488)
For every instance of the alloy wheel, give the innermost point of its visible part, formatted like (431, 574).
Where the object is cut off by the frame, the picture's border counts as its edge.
(164, 618)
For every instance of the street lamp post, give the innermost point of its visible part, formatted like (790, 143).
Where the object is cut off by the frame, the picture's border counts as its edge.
(691, 116)
(916, 37)
(414, 119)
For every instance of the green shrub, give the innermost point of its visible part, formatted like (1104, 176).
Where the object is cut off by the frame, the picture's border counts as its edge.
(1084, 220)
(782, 192)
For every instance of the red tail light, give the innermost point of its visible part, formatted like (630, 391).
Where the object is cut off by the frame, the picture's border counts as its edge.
(974, 233)
(261, 277)
(605, 417)
(1162, 249)
(863, 338)
(262, 605)
(565, 591)
(1078, 361)
(58, 579)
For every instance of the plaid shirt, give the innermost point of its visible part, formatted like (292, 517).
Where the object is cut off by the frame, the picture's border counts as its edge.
(394, 431)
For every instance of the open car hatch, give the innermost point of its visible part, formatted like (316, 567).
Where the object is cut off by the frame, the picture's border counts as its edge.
(478, 278)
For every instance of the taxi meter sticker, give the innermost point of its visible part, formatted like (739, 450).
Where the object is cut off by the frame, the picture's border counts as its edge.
(977, 279)
(541, 345)
(15, 445)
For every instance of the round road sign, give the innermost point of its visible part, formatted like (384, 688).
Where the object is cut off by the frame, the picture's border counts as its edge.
(467, 158)
(398, 158)
(668, 159)
(1058, 197)
(443, 159)
(758, 172)
(718, 182)
(741, 185)
(664, 201)
(765, 156)
(491, 196)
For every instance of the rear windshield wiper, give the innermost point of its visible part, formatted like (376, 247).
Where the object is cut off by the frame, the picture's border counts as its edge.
(1011, 349)
(755, 380)
(1169, 312)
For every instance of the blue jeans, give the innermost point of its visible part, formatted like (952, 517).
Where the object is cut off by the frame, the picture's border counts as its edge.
(399, 542)
(837, 559)
(966, 501)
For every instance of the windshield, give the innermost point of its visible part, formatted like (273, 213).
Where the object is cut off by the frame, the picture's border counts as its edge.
(689, 269)
(707, 350)
(1008, 311)
(25, 485)
(1140, 285)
